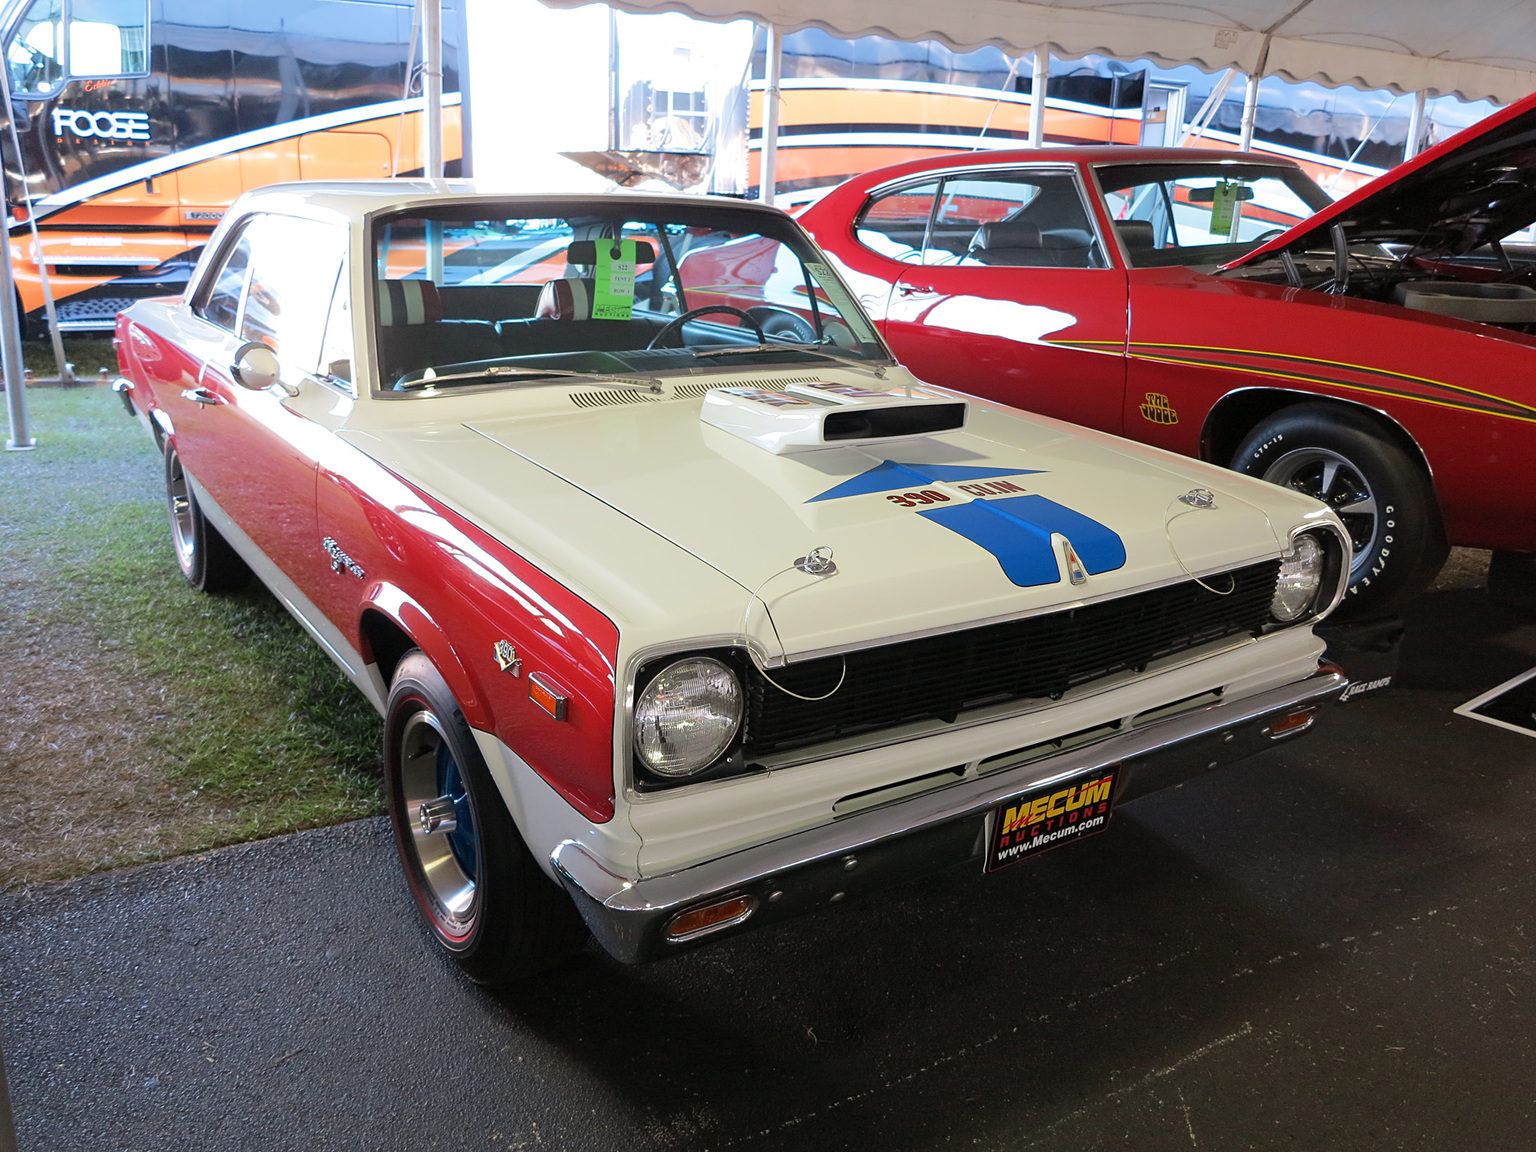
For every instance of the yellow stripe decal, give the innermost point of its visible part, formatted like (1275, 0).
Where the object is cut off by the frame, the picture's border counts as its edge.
(1509, 409)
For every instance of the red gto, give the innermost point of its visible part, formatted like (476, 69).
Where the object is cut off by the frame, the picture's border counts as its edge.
(1376, 352)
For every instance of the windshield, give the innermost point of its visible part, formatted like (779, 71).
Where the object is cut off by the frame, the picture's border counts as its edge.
(1203, 213)
(497, 293)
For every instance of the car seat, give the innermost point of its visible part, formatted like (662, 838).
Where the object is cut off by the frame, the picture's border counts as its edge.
(413, 334)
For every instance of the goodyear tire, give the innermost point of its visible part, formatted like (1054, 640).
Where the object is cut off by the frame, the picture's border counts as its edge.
(205, 558)
(484, 899)
(1384, 498)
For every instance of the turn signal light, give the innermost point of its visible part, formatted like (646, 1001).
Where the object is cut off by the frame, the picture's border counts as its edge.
(1296, 721)
(697, 921)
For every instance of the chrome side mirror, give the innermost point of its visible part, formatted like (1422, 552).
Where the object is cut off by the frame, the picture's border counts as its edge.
(255, 366)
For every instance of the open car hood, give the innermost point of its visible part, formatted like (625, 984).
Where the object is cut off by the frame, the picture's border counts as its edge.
(1474, 188)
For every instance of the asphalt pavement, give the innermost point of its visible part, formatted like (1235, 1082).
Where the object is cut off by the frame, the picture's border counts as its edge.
(1332, 946)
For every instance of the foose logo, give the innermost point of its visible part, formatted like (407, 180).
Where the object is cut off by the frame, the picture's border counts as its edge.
(104, 125)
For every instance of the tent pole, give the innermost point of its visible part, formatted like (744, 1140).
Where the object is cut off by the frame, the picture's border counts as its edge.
(1411, 146)
(10, 351)
(10, 313)
(774, 47)
(1250, 112)
(1038, 80)
(432, 69)
(10, 343)
(1197, 126)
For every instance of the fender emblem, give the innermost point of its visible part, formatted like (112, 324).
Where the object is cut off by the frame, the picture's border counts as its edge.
(1158, 410)
(507, 659)
(340, 559)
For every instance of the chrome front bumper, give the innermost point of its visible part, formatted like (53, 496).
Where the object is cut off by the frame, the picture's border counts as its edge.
(883, 846)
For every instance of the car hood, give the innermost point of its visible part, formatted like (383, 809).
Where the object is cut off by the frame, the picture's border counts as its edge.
(925, 534)
(1476, 187)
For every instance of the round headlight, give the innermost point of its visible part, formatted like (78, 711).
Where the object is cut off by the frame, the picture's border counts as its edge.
(687, 716)
(1301, 575)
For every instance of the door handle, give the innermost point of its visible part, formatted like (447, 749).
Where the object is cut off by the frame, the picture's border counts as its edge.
(201, 396)
(914, 290)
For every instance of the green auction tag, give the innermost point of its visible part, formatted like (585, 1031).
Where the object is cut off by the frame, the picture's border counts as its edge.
(614, 293)
(1223, 200)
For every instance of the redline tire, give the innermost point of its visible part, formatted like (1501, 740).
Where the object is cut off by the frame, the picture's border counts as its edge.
(1384, 498)
(477, 887)
(205, 558)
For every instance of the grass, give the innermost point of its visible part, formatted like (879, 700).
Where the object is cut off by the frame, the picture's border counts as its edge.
(162, 721)
(89, 354)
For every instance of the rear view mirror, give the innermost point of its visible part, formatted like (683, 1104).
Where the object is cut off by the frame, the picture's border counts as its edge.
(255, 366)
(1208, 195)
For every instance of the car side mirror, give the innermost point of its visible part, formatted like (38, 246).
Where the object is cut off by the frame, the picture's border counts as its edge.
(255, 366)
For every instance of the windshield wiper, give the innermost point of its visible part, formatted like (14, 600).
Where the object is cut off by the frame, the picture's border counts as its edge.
(509, 372)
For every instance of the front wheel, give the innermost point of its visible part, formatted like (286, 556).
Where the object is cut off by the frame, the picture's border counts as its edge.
(1384, 499)
(478, 888)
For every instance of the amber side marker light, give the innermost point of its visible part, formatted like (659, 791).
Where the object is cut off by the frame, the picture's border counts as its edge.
(1298, 721)
(710, 918)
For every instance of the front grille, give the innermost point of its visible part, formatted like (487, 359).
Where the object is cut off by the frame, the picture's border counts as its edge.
(1035, 658)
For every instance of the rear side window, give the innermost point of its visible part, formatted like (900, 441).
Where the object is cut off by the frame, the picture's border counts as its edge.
(895, 224)
(1034, 219)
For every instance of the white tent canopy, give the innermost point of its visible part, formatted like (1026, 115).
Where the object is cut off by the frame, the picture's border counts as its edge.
(1475, 49)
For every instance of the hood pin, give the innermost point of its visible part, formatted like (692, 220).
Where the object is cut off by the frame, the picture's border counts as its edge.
(1199, 498)
(817, 562)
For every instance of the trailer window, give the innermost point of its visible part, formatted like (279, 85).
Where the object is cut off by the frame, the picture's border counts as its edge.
(34, 53)
(108, 37)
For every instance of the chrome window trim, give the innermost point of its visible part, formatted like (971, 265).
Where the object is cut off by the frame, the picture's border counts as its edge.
(944, 173)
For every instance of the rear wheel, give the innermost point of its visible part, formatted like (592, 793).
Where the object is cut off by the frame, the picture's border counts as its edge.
(205, 557)
(488, 905)
(1385, 500)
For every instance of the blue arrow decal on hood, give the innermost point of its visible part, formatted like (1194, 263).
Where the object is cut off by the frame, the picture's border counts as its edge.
(889, 476)
(1016, 529)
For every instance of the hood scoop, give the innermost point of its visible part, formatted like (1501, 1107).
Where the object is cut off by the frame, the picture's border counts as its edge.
(804, 417)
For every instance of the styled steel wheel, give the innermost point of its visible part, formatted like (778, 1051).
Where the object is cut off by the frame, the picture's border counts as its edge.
(205, 558)
(1336, 481)
(1383, 496)
(481, 894)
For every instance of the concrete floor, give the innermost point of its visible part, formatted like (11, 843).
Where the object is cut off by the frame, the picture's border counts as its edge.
(1332, 946)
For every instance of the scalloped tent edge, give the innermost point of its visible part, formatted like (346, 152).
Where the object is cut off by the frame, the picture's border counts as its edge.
(1475, 49)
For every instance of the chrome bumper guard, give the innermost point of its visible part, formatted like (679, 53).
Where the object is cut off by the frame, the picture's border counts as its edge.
(910, 838)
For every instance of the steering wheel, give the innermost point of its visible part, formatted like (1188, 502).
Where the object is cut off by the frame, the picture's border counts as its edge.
(677, 322)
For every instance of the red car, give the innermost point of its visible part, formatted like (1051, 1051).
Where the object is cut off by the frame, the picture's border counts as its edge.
(1376, 352)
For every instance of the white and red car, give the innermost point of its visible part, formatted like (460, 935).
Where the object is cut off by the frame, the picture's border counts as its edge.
(676, 623)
